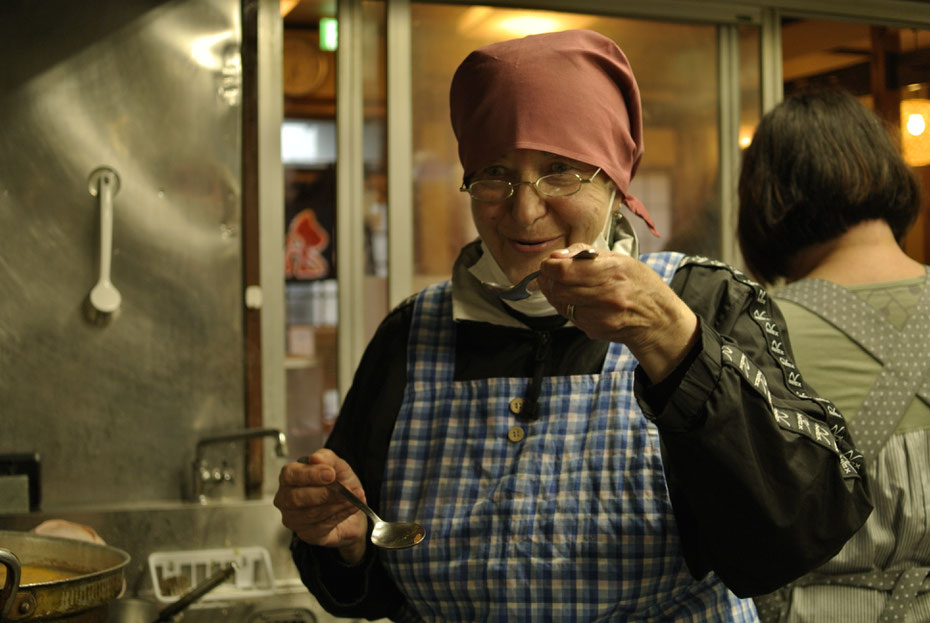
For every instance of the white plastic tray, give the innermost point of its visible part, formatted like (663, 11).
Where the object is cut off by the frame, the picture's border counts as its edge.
(175, 573)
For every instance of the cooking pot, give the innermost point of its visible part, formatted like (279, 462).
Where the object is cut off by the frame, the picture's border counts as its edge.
(77, 579)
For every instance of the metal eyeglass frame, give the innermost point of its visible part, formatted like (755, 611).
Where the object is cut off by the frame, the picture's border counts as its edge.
(512, 186)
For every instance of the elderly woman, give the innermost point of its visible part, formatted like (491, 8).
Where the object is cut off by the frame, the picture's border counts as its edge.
(825, 198)
(627, 443)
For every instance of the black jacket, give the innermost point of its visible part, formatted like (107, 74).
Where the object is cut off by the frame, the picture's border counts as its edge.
(757, 499)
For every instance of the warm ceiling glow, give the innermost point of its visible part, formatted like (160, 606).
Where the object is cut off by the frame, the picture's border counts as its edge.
(523, 25)
(500, 24)
(287, 6)
(473, 18)
(915, 140)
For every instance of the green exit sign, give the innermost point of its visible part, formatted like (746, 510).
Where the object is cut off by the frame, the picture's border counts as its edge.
(329, 34)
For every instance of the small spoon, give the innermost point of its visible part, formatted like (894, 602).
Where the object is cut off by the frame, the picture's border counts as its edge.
(385, 534)
(519, 292)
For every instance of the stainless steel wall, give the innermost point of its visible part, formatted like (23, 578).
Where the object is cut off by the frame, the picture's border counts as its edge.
(152, 90)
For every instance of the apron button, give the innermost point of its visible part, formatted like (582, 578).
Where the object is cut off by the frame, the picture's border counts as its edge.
(515, 434)
(516, 406)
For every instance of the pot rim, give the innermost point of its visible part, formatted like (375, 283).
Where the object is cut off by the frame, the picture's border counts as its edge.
(99, 581)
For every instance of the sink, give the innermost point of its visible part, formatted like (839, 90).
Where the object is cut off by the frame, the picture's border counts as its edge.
(290, 603)
(285, 606)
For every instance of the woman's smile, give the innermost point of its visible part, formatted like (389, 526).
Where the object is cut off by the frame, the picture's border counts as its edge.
(538, 245)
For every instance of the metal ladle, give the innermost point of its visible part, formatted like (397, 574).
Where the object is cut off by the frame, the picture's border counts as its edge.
(104, 299)
(384, 534)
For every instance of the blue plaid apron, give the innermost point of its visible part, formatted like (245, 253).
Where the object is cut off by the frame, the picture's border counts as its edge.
(571, 522)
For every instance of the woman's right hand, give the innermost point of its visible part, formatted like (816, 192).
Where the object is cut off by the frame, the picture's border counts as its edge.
(618, 298)
(318, 515)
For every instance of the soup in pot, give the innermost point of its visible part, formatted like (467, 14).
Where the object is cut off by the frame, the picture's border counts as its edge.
(33, 574)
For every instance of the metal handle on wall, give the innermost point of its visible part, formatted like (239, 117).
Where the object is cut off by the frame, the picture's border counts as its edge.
(104, 299)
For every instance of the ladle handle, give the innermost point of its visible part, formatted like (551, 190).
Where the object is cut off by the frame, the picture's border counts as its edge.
(9, 560)
(105, 194)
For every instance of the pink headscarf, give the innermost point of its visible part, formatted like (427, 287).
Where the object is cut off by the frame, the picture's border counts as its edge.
(570, 93)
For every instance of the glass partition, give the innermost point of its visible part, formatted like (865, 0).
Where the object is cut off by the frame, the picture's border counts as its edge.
(309, 154)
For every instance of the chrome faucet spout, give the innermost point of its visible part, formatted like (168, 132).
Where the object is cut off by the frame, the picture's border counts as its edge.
(281, 448)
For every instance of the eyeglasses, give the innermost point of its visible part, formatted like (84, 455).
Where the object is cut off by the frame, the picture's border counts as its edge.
(552, 185)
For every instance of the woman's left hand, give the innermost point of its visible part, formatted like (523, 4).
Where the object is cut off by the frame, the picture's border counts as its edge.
(620, 299)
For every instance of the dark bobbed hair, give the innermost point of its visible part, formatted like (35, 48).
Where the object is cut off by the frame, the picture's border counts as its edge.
(819, 163)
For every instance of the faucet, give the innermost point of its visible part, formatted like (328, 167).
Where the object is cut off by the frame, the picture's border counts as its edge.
(203, 474)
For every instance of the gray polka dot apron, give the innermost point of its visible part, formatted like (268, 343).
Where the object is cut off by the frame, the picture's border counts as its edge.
(563, 518)
(905, 358)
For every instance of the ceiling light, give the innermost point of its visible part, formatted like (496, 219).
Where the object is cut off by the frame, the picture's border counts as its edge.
(915, 139)
(915, 124)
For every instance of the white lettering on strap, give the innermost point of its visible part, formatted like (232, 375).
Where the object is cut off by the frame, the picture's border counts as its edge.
(744, 365)
(824, 436)
(727, 352)
(803, 423)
